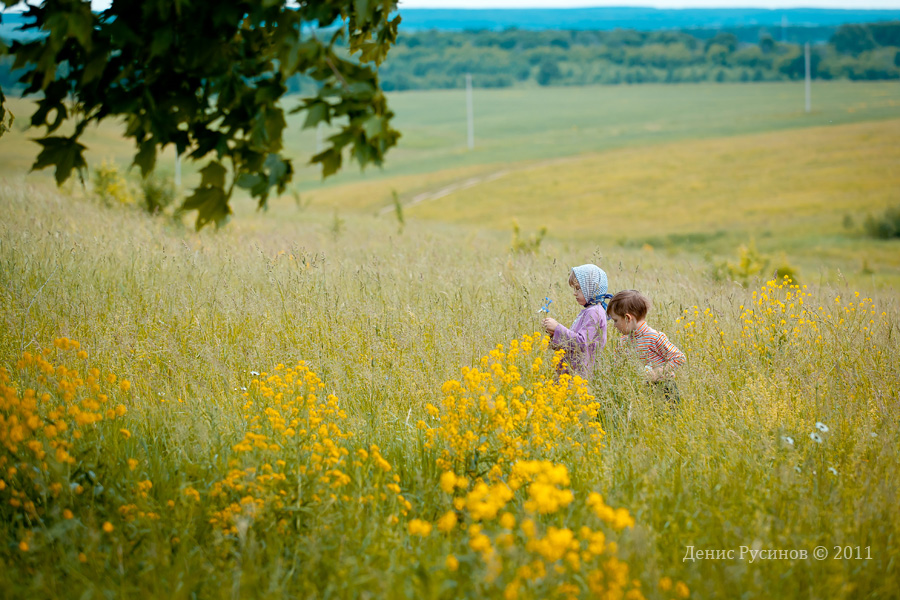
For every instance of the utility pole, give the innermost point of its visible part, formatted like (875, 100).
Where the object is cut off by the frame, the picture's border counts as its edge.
(808, 79)
(471, 116)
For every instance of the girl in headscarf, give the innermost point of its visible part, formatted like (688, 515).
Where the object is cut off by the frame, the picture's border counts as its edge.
(587, 336)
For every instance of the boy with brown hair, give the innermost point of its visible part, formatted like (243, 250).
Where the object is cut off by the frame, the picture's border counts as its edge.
(628, 310)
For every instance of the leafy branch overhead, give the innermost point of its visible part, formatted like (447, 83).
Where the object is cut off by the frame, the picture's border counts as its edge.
(208, 78)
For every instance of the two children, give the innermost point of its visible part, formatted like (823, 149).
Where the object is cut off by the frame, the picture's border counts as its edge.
(628, 310)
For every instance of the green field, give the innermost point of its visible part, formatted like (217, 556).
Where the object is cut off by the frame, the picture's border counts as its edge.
(543, 123)
(316, 401)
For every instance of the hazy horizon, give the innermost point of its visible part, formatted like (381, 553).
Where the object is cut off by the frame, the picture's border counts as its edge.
(661, 4)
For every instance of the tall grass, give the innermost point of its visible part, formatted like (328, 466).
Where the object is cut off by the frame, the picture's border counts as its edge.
(226, 339)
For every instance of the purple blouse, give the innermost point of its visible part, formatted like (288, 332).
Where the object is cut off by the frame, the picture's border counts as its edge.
(583, 341)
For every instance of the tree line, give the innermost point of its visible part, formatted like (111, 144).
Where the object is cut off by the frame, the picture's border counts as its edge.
(436, 59)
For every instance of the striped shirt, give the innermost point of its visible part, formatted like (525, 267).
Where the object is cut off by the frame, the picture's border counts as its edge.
(653, 348)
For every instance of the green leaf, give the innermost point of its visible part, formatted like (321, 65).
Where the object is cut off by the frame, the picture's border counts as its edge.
(213, 175)
(275, 125)
(363, 11)
(211, 204)
(162, 41)
(94, 68)
(280, 171)
(373, 126)
(330, 160)
(249, 180)
(316, 113)
(80, 25)
(6, 117)
(63, 153)
(146, 158)
(45, 107)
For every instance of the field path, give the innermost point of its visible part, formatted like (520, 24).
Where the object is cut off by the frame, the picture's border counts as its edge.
(470, 182)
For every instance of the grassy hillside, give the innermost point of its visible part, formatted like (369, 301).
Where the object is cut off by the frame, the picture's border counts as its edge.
(537, 124)
(803, 192)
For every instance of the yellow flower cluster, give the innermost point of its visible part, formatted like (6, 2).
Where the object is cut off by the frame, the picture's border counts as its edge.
(296, 452)
(492, 418)
(45, 409)
(617, 519)
(419, 527)
(484, 501)
(780, 316)
(505, 437)
(680, 589)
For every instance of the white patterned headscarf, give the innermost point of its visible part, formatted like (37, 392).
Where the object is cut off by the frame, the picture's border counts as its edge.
(593, 283)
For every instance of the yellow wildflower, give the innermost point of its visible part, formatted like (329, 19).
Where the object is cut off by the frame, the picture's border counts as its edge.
(447, 522)
(419, 527)
(452, 563)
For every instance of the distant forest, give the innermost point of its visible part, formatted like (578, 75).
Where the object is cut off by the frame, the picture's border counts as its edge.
(440, 59)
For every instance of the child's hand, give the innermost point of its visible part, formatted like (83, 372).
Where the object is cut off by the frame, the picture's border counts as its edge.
(550, 325)
(658, 374)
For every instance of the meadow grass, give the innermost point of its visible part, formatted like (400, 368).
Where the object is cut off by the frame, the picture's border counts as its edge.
(226, 468)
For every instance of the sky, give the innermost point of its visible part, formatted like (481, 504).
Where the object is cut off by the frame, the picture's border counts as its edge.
(775, 4)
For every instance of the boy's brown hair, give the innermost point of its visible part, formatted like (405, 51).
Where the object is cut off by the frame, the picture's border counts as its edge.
(629, 302)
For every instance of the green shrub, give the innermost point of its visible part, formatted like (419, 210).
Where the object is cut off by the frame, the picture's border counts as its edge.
(751, 263)
(786, 271)
(110, 186)
(886, 226)
(398, 210)
(159, 194)
(526, 246)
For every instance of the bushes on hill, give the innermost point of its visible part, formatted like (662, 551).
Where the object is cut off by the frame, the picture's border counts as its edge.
(886, 226)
